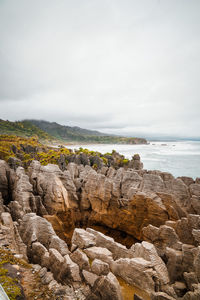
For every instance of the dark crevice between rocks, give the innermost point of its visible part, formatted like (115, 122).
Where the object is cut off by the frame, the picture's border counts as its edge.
(34, 183)
(118, 235)
(8, 196)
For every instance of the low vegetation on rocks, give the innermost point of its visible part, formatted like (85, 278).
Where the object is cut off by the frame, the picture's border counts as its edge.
(21, 151)
(10, 283)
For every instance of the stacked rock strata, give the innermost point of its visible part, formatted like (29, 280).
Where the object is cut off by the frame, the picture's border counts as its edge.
(43, 206)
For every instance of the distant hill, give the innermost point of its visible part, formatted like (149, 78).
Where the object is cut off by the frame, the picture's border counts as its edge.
(23, 129)
(51, 131)
(63, 131)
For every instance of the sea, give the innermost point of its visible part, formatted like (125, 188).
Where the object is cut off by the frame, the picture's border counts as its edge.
(180, 158)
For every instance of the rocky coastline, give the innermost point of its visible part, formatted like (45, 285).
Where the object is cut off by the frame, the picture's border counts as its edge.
(151, 250)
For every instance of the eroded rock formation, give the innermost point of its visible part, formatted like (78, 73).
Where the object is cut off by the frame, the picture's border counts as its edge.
(44, 206)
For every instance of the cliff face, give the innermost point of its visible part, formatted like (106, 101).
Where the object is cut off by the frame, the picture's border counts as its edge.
(145, 205)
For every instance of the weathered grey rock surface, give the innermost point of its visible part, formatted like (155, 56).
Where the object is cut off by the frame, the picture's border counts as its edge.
(123, 199)
(44, 207)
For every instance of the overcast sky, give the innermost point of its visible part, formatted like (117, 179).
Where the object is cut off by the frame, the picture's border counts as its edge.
(118, 66)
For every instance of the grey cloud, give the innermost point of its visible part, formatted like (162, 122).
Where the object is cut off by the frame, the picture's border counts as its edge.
(125, 67)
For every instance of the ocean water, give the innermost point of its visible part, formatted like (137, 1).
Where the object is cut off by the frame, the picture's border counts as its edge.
(180, 158)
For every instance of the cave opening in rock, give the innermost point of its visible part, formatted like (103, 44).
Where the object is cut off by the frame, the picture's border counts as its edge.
(64, 224)
(118, 235)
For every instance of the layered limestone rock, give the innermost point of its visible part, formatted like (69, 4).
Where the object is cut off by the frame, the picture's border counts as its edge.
(177, 243)
(23, 198)
(124, 199)
(97, 266)
(9, 235)
(57, 193)
(97, 261)
(106, 287)
(54, 187)
(147, 205)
